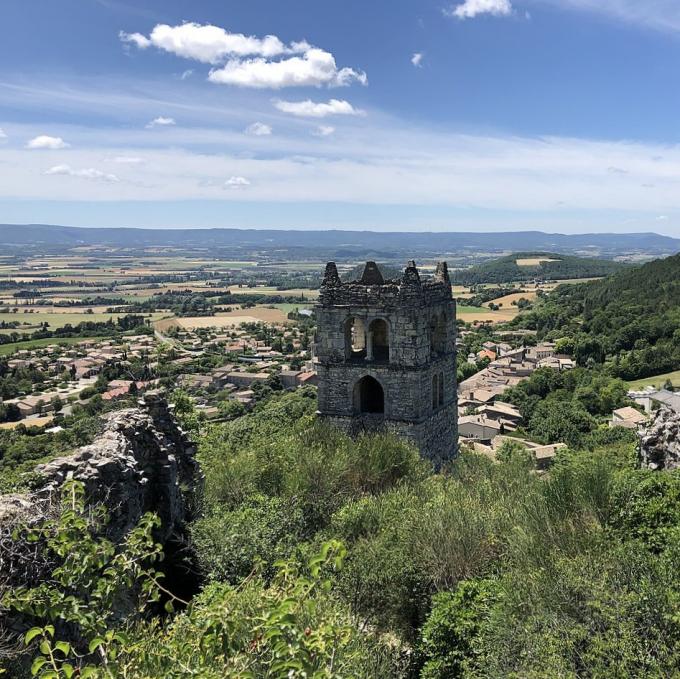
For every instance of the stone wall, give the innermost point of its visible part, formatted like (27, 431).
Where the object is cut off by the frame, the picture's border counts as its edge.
(141, 462)
(420, 318)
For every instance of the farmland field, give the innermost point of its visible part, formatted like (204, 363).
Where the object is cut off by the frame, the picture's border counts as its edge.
(225, 319)
(507, 300)
(537, 261)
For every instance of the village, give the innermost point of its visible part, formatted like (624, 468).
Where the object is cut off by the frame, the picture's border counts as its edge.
(214, 367)
(225, 371)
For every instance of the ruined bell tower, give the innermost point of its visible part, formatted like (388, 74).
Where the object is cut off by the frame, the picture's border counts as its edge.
(386, 356)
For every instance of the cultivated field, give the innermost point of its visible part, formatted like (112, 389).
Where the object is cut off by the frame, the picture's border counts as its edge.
(507, 300)
(478, 315)
(534, 261)
(267, 290)
(225, 319)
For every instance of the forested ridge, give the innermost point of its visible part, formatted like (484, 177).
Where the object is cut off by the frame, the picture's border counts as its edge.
(629, 322)
(553, 267)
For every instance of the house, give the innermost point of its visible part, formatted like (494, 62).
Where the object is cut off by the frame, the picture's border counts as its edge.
(289, 378)
(502, 412)
(246, 397)
(647, 398)
(196, 381)
(478, 428)
(308, 377)
(116, 392)
(627, 417)
(246, 379)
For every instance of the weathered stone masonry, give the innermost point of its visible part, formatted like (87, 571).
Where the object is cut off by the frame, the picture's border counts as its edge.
(386, 356)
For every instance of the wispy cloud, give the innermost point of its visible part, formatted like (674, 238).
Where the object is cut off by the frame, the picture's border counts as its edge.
(323, 131)
(2, 134)
(473, 8)
(312, 109)
(259, 130)
(417, 59)
(127, 160)
(657, 14)
(161, 121)
(46, 142)
(86, 173)
(236, 183)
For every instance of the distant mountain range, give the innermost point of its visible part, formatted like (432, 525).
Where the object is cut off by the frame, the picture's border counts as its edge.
(350, 243)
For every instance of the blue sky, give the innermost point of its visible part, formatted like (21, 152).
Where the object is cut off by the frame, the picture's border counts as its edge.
(561, 115)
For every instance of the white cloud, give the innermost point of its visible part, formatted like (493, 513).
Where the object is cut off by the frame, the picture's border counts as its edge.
(86, 173)
(315, 68)
(2, 134)
(210, 44)
(248, 61)
(236, 183)
(161, 121)
(44, 141)
(137, 39)
(472, 8)
(417, 59)
(662, 218)
(259, 129)
(323, 131)
(186, 74)
(127, 160)
(312, 109)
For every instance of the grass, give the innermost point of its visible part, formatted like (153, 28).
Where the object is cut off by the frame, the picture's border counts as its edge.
(287, 307)
(656, 381)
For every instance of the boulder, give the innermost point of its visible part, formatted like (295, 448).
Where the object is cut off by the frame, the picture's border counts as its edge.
(659, 445)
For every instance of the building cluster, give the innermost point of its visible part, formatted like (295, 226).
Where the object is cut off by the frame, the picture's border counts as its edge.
(484, 419)
(68, 370)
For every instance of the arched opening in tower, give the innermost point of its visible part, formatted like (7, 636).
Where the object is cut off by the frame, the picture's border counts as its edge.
(380, 339)
(438, 334)
(369, 396)
(355, 338)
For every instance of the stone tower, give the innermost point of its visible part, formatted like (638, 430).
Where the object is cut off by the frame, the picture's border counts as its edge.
(386, 356)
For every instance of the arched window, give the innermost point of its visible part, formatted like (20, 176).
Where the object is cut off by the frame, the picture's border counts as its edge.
(379, 338)
(369, 396)
(438, 334)
(355, 338)
(435, 391)
(441, 389)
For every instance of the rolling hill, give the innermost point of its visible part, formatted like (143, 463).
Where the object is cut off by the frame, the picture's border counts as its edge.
(630, 321)
(540, 266)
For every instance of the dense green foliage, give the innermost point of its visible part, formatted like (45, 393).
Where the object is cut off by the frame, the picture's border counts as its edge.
(568, 405)
(563, 267)
(630, 321)
(321, 556)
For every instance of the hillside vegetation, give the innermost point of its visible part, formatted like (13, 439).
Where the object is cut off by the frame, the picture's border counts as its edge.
(541, 266)
(629, 322)
(320, 556)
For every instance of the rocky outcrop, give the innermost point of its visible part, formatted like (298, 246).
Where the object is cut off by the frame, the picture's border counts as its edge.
(141, 462)
(659, 446)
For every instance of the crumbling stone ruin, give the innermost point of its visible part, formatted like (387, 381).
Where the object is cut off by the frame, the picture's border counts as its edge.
(142, 462)
(659, 446)
(386, 356)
